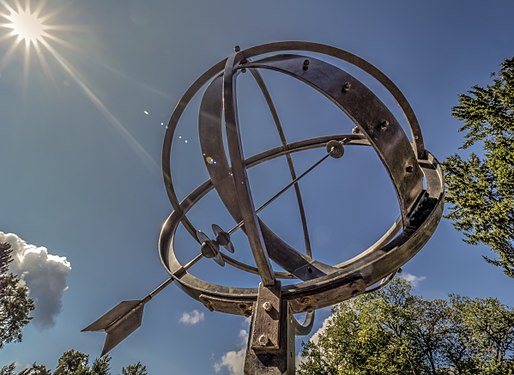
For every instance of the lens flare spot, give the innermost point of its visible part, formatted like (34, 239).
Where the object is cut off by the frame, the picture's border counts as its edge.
(26, 26)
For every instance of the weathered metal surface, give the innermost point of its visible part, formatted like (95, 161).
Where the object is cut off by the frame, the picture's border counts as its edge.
(339, 87)
(211, 140)
(371, 265)
(415, 174)
(303, 329)
(118, 323)
(264, 89)
(274, 362)
(270, 48)
(241, 183)
(265, 333)
(370, 115)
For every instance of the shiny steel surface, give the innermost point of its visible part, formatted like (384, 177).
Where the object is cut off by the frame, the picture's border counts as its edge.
(260, 82)
(377, 128)
(415, 175)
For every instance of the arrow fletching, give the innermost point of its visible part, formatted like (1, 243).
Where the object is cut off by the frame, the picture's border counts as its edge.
(223, 238)
(210, 248)
(219, 259)
(202, 237)
(119, 322)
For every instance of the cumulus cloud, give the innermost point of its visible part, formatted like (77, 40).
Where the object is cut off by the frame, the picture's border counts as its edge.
(412, 279)
(192, 318)
(316, 335)
(43, 273)
(315, 338)
(234, 360)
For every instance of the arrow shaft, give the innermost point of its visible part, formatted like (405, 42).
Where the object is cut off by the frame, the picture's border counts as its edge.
(284, 189)
(167, 282)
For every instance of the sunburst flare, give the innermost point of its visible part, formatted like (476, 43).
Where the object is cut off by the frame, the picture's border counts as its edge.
(25, 24)
(33, 27)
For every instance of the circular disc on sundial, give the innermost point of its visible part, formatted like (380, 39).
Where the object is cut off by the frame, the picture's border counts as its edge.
(414, 173)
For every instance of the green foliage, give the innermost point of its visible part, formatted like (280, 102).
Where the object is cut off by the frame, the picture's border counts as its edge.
(5, 258)
(73, 362)
(481, 190)
(101, 366)
(8, 370)
(395, 332)
(135, 369)
(36, 369)
(15, 304)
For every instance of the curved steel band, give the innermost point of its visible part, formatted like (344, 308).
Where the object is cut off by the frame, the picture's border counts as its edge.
(349, 279)
(323, 285)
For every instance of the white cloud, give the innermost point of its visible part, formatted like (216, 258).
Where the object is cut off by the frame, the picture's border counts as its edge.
(316, 335)
(314, 338)
(243, 335)
(43, 273)
(234, 360)
(192, 318)
(412, 279)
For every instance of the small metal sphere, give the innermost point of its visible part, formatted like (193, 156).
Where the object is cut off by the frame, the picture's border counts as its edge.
(335, 149)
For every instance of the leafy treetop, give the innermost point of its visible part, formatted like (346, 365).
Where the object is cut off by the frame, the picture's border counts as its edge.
(481, 188)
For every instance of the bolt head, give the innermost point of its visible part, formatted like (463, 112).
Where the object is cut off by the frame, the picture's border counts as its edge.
(267, 306)
(336, 150)
(384, 124)
(263, 340)
(346, 87)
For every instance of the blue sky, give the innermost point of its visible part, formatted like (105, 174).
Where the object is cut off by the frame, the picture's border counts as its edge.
(80, 157)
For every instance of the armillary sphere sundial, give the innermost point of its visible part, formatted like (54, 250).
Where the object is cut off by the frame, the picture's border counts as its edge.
(272, 305)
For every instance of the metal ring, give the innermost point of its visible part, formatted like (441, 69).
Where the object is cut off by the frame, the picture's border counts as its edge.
(420, 210)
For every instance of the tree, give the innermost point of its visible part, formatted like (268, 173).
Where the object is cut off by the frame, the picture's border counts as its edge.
(36, 369)
(15, 304)
(73, 362)
(481, 189)
(101, 366)
(8, 370)
(15, 307)
(136, 369)
(395, 332)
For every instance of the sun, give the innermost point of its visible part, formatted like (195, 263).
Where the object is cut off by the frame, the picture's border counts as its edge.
(25, 25)
(33, 30)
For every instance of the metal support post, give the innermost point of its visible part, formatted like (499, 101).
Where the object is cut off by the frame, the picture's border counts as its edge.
(271, 346)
